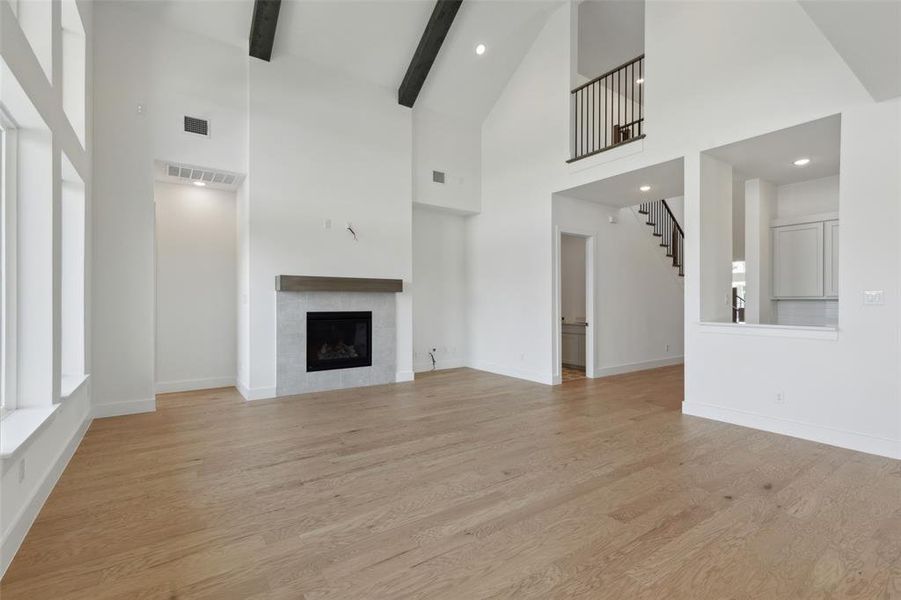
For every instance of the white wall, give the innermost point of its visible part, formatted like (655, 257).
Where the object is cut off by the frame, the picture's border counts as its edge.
(196, 287)
(818, 377)
(321, 146)
(638, 295)
(809, 197)
(324, 146)
(450, 145)
(841, 391)
(439, 289)
(611, 32)
(731, 99)
(716, 240)
(134, 56)
(242, 202)
(760, 201)
(525, 141)
(738, 217)
(572, 278)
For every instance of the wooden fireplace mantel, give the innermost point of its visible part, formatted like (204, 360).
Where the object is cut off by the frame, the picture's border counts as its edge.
(305, 283)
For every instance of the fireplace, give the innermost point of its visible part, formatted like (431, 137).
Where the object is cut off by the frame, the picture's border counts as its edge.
(338, 340)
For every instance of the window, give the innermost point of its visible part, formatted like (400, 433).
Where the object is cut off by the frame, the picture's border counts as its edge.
(73, 71)
(8, 154)
(72, 271)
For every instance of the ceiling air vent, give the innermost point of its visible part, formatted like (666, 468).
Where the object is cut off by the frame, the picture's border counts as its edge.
(200, 175)
(438, 176)
(197, 126)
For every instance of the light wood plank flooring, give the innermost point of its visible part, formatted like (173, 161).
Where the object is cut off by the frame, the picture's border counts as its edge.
(461, 485)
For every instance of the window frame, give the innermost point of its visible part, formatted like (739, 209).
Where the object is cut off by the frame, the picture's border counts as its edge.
(8, 262)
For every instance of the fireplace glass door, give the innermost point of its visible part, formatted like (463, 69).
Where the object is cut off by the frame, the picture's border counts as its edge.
(338, 340)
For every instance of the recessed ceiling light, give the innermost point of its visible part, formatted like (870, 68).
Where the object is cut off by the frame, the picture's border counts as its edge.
(645, 188)
(640, 80)
(199, 183)
(802, 162)
(480, 49)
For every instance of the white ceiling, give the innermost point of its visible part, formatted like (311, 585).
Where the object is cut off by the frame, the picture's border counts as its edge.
(867, 35)
(466, 85)
(667, 180)
(770, 156)
(374, 40)
(226, 21)
(371, 40)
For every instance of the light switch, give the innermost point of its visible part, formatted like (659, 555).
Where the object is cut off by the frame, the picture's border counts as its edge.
(873, 297)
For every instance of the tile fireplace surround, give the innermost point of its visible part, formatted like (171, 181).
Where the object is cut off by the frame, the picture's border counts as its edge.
(296, 296)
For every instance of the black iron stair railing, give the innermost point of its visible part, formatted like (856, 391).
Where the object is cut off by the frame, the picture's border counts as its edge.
(667, 228)
(608, 111)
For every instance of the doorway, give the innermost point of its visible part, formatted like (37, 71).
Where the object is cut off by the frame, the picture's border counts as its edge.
(576, 358)
(196, 287)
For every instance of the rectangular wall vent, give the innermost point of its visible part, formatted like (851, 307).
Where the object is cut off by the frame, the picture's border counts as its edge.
(200, 175)
(197, 126)
(438, 176)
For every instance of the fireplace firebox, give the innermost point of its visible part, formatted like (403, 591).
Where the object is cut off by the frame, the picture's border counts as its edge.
(338, 340)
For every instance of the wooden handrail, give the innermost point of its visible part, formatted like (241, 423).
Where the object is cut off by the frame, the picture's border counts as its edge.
(673, 217)
(660, 216)
(607, 74)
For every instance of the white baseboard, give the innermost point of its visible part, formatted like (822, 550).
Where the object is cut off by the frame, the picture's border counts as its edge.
(402, 376)
(21, 523)
(260, 393)
(851, 440)
(125, 407)
(189, 385)
(424, 366)
(545, 378)
(638, 366)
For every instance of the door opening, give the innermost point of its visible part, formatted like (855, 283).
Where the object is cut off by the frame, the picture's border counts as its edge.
(574, 262)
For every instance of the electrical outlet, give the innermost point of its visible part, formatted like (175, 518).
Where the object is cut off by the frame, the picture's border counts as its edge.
(873, 297)
(327, 224)
(667, 347)
(21, 470)
(780, 398)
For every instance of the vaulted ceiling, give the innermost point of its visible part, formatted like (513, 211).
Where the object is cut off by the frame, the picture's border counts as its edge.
(374, 40)
(867, 35)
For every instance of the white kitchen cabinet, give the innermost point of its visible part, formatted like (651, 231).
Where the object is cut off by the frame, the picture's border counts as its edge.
(798, 257)
(830, 253)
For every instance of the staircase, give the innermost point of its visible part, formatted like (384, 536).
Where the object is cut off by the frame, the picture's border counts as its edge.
(660, 217)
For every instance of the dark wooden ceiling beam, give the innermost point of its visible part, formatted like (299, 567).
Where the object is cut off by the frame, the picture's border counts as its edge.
(262, 28)
(435, 31)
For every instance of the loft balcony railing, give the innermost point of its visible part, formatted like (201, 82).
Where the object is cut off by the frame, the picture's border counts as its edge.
(608, 111)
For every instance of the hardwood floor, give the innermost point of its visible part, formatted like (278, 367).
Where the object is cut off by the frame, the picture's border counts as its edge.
(571, 373)
(460, 485)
